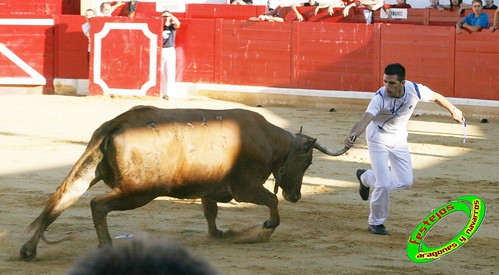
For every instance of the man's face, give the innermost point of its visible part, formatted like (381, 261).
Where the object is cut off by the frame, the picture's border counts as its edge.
(89, 14)
(400, 2)
(106, 8)
(434, 2)
(167, 17)
(393, 86)
(489, 2)
(477, 8)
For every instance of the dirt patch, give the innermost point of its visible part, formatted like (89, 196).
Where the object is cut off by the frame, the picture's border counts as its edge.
(325, 232)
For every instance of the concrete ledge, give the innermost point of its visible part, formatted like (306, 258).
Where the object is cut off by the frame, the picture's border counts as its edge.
(325, 99)
(20, 90)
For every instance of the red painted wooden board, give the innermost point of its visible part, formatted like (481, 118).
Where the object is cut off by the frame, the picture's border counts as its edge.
(326, 62)
(477, 69)
(26, 50)
(71, 48)
(255, 53)
(427, 55)
(308, 13)
(195, 47)
(242, 12)
(39, 7)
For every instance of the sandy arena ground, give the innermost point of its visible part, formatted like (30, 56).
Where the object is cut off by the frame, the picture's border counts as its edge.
(41, 137)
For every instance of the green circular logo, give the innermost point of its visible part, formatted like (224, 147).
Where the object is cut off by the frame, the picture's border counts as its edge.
(417, 250)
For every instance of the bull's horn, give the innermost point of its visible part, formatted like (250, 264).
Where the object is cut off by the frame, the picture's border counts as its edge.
(328, 151)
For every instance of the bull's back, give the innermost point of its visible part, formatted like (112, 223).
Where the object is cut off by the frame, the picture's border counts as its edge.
(179, 146)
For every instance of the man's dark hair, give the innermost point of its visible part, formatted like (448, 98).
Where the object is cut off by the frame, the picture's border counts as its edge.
(138, 257)
(396, 69)
(479, 1)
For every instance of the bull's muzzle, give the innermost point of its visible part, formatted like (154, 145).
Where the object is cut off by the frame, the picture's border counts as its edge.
(292, 197)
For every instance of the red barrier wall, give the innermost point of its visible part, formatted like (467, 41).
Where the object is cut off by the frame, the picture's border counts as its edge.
(338, 56)
(27, 50)
(254, 53)
(70, 47)
(426, 52)
(334, 56)
(476, 72)
(39, 7)
(195, 46)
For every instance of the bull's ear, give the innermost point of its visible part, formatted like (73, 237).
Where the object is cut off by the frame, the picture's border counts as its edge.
(309, 144)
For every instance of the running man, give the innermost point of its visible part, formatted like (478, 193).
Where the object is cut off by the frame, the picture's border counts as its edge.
(385, 122)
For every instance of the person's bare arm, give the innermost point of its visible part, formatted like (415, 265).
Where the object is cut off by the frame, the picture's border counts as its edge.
(298, 14)
(115, 6)
(346, 10)
(320, 6)
(358, 129)
(460, 26)
(456, 114)
(495, 23)
(175, 21)
(463, 7)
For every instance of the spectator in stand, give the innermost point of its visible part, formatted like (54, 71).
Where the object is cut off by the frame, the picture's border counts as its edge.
(489, 5)
(132, 8)
(330, 5)
(106, 9)
(273, 8)
(168, 54)
(139, 256)
(86, 28)
(434, 4)
(241, 2)
(495, 24)
(294, 7)
(456, 4)
(401, 4)
(474, 21)
(368, 7)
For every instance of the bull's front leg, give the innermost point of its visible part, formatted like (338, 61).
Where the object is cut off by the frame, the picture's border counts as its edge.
(261, 196)
(210, 209)
(274, 220)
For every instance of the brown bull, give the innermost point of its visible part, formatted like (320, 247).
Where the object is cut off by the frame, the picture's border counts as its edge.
(215, 155)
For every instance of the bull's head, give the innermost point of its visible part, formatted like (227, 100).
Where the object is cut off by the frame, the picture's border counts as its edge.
(290, 175)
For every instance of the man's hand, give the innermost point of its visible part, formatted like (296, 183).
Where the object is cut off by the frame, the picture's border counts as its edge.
(457, 115)
(350, 140)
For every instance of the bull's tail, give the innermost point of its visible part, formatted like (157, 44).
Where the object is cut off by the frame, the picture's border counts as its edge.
(83, 176)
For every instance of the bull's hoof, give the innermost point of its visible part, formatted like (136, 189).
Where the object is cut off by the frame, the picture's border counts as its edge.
(267, 225)
(218, 234)
(27, 254)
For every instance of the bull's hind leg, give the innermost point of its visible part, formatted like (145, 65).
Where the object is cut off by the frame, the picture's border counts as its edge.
(66, 195)
(210, 209)
(116, 200)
